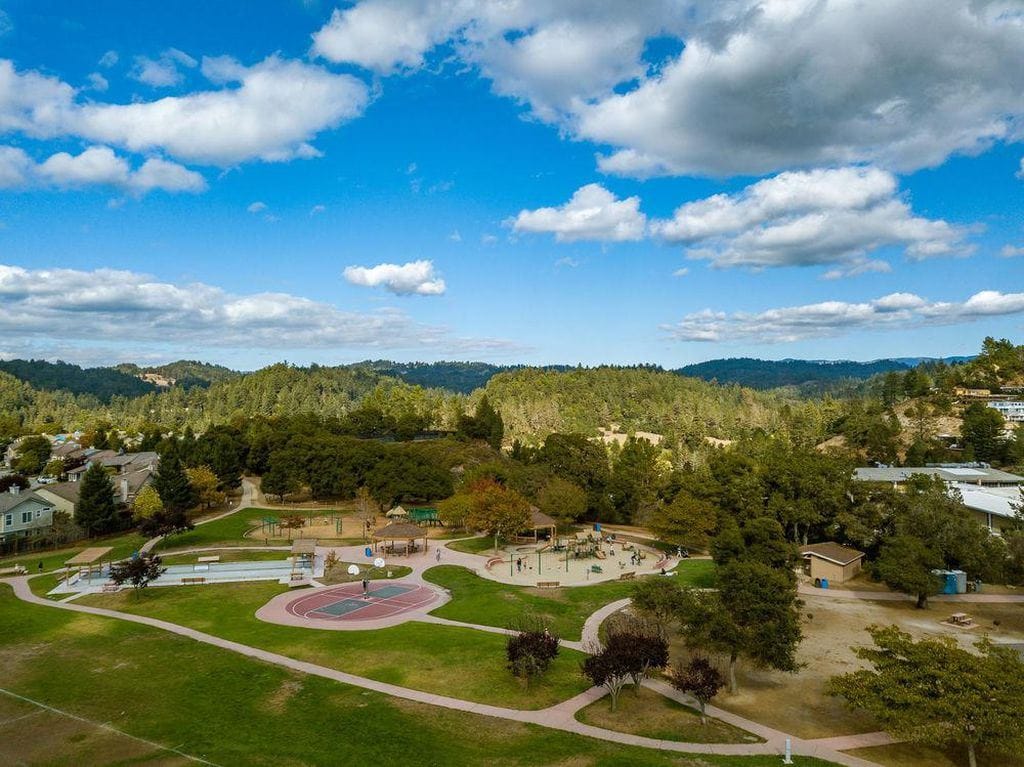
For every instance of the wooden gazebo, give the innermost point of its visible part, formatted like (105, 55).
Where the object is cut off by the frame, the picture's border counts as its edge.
(541, 521)
(92, 558)
(303, 552)
(406, 532)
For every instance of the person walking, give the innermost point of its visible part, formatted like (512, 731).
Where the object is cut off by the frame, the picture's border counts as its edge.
(366, 588)
(437, 554)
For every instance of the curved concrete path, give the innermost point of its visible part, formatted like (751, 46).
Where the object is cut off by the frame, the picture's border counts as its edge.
(246, 500)
(558, 717)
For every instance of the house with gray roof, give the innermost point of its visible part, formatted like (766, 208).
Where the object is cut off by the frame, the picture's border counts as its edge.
(24, 516)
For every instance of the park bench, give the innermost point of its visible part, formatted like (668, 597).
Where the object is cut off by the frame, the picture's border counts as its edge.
(192, 581)
(627, 576)
(596, 569)
(110, 587)
(548, 584)
(209, 559)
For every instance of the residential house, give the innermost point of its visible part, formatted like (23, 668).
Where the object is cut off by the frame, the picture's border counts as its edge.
(24, 516)
(980, 474)
(1012, 411)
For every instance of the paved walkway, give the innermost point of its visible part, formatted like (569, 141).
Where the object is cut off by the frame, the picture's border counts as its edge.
(559, 717)
(246, 500)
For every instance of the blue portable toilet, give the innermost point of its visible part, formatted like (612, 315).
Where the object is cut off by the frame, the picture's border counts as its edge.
(824, 583)
(369, 551)
(948, 580)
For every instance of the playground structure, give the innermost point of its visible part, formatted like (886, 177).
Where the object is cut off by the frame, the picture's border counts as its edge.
(334, 525)
(584, 557)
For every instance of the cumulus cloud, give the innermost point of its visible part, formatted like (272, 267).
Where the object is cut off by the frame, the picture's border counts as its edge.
(60, 304)
(98, 82)
(807, 218)
(413, 278)
(108, 59)
(15, 167)
(256, 207)
(95, 166)
(757, 85)
(269, 111)
(317, 210)
(897, 311)
(1008, 251)
(165, 71)
(592, 213)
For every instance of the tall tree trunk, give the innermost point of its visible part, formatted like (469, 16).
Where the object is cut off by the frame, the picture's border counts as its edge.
(972, 760)
(922, 601)
(732, 674)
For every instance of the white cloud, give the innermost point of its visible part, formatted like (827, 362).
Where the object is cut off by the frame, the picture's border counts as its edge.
(164, 71)
(455, 236)
(759, 85)
(97, 82)
(256, 207)
(108, 59)
(415, 277)
(566, 261)
(898, 311)
(593, 213)
(95, 166)
(15, 167)
(6, 25)
(1008, 251)
(316, 210)
(681, 272)
(269, 111)
(1020, 171)
(56, 305)
(168, 176)
(807, 218)
(488, 239)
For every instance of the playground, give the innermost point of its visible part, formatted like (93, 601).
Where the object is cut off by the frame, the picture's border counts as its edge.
(585, 557)
(335, 525)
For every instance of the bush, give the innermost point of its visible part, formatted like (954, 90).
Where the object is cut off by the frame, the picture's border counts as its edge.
(530, 650)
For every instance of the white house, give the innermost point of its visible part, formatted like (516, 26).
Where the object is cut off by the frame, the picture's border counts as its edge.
(1011, 410)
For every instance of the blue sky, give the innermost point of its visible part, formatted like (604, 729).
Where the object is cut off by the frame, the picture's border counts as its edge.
(535, 182)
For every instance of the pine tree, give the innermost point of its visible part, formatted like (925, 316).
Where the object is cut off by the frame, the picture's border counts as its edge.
(96, 512)
(171, 483)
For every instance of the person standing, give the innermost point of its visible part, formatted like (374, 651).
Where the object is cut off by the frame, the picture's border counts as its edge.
(366, 588)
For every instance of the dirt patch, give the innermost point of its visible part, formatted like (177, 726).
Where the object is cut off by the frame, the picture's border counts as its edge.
(278, 700)
(797, 703)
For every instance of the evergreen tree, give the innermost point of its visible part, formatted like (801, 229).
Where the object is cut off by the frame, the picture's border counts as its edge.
(172, 485)
(96, 512)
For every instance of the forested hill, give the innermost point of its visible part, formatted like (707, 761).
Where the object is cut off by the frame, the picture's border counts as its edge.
(772, 374)
(535, 402)
(461, 377)
(187, 373)
(101, 383)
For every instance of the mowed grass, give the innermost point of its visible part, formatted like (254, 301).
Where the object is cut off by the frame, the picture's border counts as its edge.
(462, 663)
(229, 530)
(473, 545)
(122, 545)
(478, 600)
(655, 716)
(232, 710)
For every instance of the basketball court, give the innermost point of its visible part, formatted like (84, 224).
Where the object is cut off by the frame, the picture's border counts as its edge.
(347, 602)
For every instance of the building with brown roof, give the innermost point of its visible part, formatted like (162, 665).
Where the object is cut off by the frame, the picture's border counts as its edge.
(831, 562)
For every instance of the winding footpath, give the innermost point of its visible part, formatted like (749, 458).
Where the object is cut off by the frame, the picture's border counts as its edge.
(561, 716)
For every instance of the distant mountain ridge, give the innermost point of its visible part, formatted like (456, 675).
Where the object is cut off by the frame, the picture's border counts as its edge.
(772, 374)
(102, 383)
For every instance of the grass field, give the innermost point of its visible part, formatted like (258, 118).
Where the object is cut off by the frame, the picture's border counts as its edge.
(232, 710)
(655, 716)
(478, 600)
(464, 663)
(122, 544)
(473, 545)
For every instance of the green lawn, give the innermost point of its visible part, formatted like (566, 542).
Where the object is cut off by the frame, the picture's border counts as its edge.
(232, 710)
(226, 555)
(123, 545)
(454, 661)
(473, 545)
(655, 716)
(478, 600)
(227, 531)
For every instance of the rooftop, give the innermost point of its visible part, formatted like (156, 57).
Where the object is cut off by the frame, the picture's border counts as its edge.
(832, 551)
(964, 474)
